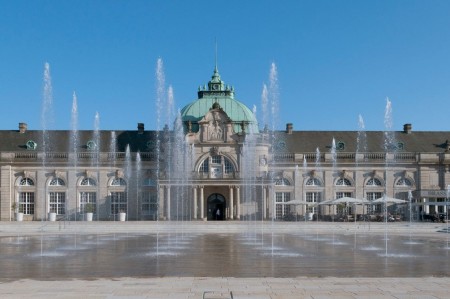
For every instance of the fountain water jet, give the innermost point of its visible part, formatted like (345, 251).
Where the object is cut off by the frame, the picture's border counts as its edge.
(74, 140)
(47, 119)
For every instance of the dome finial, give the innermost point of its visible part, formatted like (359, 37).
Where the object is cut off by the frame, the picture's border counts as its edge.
(215, 63)
(216, 76)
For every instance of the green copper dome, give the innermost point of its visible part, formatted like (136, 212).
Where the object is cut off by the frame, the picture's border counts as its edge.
(217, 93)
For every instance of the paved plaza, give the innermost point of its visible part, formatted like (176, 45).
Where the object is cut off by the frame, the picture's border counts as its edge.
(303, 286)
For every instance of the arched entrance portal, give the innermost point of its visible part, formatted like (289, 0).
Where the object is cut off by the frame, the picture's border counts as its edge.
(216, 206)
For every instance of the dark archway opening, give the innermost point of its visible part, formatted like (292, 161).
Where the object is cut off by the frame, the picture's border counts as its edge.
(216, 205)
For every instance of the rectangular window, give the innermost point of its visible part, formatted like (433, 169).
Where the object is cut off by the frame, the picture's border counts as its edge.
(118, 202)
(312, 197)
(58, 203)
(341, 208)
(26, 203)
(149, 203)
(216, 159)
(282, 210)
(371, 196)
(441, 207)
(88, 198)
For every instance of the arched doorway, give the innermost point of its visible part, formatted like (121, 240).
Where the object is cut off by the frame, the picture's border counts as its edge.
(216, 207)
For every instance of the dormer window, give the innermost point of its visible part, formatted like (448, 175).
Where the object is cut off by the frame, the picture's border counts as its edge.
(91, 145)
(31, 145)
(340, 145)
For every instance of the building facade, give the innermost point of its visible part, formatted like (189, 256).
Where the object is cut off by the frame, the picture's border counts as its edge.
(218, 164)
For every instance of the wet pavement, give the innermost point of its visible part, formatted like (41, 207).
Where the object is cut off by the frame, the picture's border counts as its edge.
(89, 256)
(148, 261)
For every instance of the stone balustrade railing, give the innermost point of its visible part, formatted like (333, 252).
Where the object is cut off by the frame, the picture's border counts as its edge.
(377, 157)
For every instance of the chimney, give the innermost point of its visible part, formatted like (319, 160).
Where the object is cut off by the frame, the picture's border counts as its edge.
(289, 128)
(407, 128)
(23, 127)
(140, 128)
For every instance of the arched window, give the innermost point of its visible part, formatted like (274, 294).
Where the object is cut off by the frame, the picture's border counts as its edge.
(204, 167)
(57, 182)
(282, 182)
(404, 182)
(216, 165)
(373, 182)
(343, 182)
(88, 182)
(26, 182)
(313, 182)
(118, 182)
(26, 196)
(228, 166)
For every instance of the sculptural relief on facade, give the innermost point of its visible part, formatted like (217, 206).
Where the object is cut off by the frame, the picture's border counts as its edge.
(215, 127)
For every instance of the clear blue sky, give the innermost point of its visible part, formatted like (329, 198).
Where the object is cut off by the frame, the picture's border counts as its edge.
(335, 59)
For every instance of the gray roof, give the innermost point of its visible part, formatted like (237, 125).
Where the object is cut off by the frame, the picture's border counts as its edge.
(308, 141)
(297, 142)
(60, 140)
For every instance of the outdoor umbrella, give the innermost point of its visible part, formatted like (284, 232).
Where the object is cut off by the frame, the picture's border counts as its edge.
(296, 202)
(348, 200)
(386, 199)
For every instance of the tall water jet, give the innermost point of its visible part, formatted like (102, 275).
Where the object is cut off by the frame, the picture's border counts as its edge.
(317, 167)
(47, 118)
(160, 94)
(94, 146)
(170, 170)
(179, 166)
(333, 174)
(74, 140)
(248, 176)
(138, 185)
(274, 95)
(334, 166)
(446, 215)
(113, 149)
(361, 149)
(128, 178)
(410, 199)
(389, 148)
(361, 139)
(264, 106)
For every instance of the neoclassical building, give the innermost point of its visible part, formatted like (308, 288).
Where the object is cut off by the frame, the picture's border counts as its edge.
(217, 163)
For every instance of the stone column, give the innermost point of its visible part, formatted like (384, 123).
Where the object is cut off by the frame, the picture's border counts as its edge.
(238, 203)
(195, 202)
(160, 202)
(264, 205)
(41, 199)
(271, 203)
(231, 204)
(202, 203)
(168, 202)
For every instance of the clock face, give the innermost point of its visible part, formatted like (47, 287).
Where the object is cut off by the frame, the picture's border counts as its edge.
(215, 87)
(263, 161)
